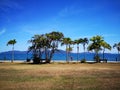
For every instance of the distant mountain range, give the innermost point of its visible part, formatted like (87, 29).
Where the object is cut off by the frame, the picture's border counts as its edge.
(15, 52)
(59, 55)
(57, 52)
(25, 52)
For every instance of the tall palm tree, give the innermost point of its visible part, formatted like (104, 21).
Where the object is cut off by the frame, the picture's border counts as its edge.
(66, 42)
(105, 45)
(96, 46)
(78, 41)
(117, 46)
(12, 42)
(70, 48)
(84, 41)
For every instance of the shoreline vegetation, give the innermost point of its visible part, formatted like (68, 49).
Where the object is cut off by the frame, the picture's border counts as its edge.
(44, 46)
(59, 76)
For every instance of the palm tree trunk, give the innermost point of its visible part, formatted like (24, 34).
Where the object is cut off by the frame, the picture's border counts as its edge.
(51, 54)
(12, 54)
(46, 55)
(69, 54)
(103, 54)
(118, 56)
(84, 51)
(77, 53)
(40, 55)
(97, 56)
(66, 54)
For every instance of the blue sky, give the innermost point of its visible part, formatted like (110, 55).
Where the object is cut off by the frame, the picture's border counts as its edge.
(21, 19)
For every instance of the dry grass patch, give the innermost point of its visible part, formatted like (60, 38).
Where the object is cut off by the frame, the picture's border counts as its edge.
(17, 76)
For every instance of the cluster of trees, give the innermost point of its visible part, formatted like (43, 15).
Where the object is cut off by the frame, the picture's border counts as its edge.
(45, 45)
(68, 42)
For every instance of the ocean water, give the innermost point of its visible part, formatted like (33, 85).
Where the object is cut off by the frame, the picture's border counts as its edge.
(61, 56)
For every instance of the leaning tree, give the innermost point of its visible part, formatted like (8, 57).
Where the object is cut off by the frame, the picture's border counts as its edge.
(105, 45)
(54, 39)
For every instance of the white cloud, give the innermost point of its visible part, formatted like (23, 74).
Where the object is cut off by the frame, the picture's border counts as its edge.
(2, 31)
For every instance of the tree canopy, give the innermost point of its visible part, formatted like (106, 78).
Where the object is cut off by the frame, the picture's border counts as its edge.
(45, 45)
(96, 46)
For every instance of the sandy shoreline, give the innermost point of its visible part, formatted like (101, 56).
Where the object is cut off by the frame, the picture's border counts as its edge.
(62, 61)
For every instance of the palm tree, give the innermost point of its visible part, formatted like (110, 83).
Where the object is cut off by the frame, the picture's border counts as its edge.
(12, 42)
(96, 46)
(38, 44)
(84, 41)
(54, 39)
(66, 42)
(78, 41)
(117, 46)
(70, 48)
(105, 45)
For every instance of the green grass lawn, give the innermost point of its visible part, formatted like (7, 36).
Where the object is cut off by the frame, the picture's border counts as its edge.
(21, 76)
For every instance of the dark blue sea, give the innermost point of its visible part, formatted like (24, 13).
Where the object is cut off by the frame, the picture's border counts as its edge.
(59, 56)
